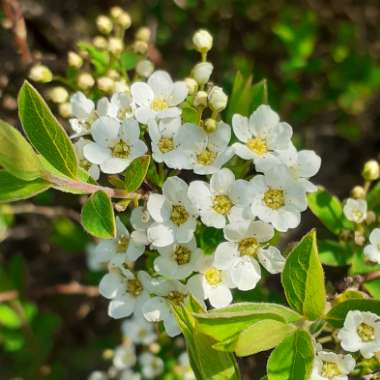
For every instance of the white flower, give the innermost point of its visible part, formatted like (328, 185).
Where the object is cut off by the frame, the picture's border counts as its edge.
(302, 165)
(92, 169)
(361, 332)
(355, 210)
(124, 356)
(116, 145)
(202, 72)
(83, 110)
(278, 199)
(332, 366)
(372, 251)
(119, 106)
(141, 221)
(158, 308)
(128, 374)
(211, 283)
(239, 255)
(202, 40)
(216, 201)
(173, 214)
(261, 135)
(125, 247)
(158, 98)
(128, 292)
(139, 331)
(185, 367)
(145, 68)
(165, 143)
(177, 261)
(98, 375)
(207, 152)
(152, 366)
(217, 99)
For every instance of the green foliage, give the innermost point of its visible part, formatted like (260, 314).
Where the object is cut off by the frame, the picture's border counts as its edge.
(99, 58)
(16, 155)
(334, 253)
(45, 133)
(98, 217)
(303, 278)
(128, 60)
(293, 358)
(136, 172)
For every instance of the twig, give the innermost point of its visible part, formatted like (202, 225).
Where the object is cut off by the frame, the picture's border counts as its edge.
(358, 280)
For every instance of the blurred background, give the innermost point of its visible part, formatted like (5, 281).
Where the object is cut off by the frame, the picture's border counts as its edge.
(322, 63)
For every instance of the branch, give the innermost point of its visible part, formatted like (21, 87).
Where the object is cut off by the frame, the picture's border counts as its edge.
(358, 280)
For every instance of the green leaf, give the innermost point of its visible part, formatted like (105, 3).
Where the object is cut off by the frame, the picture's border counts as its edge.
(334, 253)
(99, 58)
(14, 189)
(259, 94)
(373, 197)
(9, 318)
(303, 278)
(128, 60)
(190, 114)
(293, 358)
(337, 314)
(98, 217)
(373, 288)
(328, 209)
(135, 174)
(45, 133)
(16, 154)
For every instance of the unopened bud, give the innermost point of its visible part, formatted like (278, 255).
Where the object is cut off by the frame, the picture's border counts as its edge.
(217, 99)
(100, 42)
(124, 20)
(359, 238)
(192, 85)
(85, 81)
(104, 24)
(143, 34)
(64, 110)
(105, 84)
(371, 170)
(58, 94)
(113, 74)
(210, 125)
(202, 72)
(200, 99)
(144, 68)
(358, 192)
(74, 60)
(371, 217)
(140, 47)
(121, 86)
(202, 41)
(116, 12)
(40, 73)
(115, 45)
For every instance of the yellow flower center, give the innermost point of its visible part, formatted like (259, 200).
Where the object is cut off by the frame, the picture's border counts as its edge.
(179, 215)
(222, 204)
(213, 276)
(206, 157)
(176, 297)
(134, 287)
(274, 198)
(159, 104)
(122, 244)
(258, 146)
(166, 145)
(330, 370)
(182, 255)
(248, 247)
(366, 332)
(121, 149)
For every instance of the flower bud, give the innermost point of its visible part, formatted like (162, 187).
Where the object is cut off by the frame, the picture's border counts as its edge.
(40, 73)
(140, 47)
(105, 84)
(113, 74)
(116, 12)
(74, 60)
(202, 72)
(124, 20)
(144, 68)
(210, 125)
(200, 99)
(371, 217)
(192, 85)
(217, 99)
(358, 192)
(85, 81)
(202, 41)
(58, 94)
(121, 86)
(64, 110)
(143, 34)
(115, 45)
(359, 238)
(100, 42)
(371, 170)
(104, 24)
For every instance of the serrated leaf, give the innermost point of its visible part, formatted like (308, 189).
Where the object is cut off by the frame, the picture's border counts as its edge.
(337, 313)
(303, 278)
(16, 154)
(14, 189)
(45, 133)
(293, 358)
(136, 172)
(97, 216)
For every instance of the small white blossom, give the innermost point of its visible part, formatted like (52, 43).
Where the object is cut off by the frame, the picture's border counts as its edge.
(361, 332)
(216, 201)
(261, 136)
(217, 99)
(116, 145)
(98, 375)
(202, 72)
(202, 40)
(207, 152)
(244, 249)
(158, 98)
(124, 356)
(173, 214)
(92, 169)
(138, 330)
(145, 68)
(372, 250)
(278, 199)
(355, 210)
(331, 366)
(128, 374)
(152, 366)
